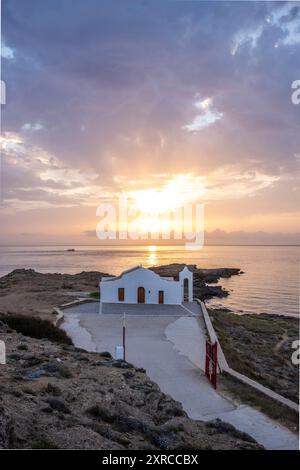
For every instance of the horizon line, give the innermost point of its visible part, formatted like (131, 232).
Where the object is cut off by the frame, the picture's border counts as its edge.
(152, 244)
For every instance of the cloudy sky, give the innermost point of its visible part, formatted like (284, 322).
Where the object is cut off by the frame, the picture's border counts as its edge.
(163, 101)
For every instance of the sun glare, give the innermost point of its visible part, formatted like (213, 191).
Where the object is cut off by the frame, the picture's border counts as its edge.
(159, 210)
(180, 190)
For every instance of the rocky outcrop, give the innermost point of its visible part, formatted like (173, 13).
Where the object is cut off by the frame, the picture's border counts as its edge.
(202, 277)
(58, 396)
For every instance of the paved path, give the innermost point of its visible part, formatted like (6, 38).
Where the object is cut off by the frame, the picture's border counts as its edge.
(187, 308)
(171, 349)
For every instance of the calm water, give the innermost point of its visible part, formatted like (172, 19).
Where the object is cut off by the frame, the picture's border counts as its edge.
(269, 284)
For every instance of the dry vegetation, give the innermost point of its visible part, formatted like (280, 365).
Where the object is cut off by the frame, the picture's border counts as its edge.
(260, 346)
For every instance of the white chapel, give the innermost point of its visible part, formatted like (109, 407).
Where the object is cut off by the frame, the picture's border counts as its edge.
(140, 285)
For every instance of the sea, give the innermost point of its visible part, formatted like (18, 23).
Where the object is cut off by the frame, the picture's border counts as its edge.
(269, 283)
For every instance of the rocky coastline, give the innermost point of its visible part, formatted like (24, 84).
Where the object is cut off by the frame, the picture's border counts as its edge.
(202, 278)
(57, 396)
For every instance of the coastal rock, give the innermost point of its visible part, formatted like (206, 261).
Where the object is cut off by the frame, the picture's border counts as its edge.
(216, 426)
(58, 405)
(96, 408)
(53, 389)
(50, 369)
(202, 277)
(7, 430)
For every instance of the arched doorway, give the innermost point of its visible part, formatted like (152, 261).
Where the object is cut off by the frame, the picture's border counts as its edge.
(141, 295)
(185, 290)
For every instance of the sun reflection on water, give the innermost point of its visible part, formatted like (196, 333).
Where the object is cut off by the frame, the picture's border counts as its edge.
(152, 255)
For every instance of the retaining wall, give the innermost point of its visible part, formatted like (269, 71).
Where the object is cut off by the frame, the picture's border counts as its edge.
(58, 311)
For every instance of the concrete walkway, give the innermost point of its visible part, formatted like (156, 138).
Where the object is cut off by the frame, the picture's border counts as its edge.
(172, 350)
(188, 308)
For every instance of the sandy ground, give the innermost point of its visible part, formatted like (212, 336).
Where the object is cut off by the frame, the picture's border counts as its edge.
(27, 292)
(171, 349)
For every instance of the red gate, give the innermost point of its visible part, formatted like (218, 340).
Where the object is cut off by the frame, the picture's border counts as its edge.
(211, 362)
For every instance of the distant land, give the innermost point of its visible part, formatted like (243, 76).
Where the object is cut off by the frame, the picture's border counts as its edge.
(215, 237)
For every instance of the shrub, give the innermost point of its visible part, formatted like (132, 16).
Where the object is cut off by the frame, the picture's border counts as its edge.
(44, 444)
(98, 411)
(95, 294)
(36, 328)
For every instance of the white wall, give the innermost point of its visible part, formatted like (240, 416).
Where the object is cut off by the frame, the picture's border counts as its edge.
(141, 277)
(186, 274)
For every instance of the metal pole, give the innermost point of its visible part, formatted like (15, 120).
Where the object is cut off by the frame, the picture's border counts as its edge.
(124, 337)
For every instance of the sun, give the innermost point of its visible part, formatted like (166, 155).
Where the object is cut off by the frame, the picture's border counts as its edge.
(152, 248)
